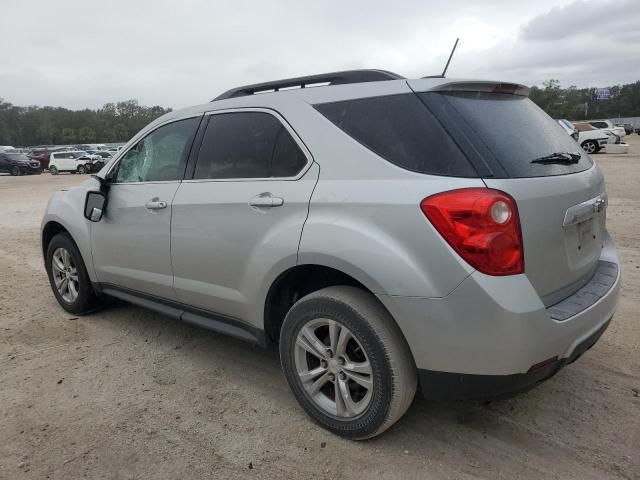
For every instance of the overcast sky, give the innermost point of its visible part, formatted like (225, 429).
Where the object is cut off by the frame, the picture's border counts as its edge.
(84, 53)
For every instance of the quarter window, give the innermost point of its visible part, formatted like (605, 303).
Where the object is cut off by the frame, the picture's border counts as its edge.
(400, 129)
(247, 145)
(160, 156)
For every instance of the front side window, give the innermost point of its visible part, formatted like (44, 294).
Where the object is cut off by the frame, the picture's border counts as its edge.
(247, 145)
(160, 156)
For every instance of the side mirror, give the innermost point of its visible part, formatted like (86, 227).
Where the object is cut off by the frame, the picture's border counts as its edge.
(94, 206)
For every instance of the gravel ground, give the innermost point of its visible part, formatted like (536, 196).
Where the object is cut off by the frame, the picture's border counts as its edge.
(126, 393)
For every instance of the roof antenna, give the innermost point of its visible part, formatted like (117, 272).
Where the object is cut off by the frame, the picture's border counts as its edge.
(450, 56)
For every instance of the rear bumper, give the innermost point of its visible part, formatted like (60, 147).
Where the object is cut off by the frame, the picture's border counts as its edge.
(498, 327)
(444, 386)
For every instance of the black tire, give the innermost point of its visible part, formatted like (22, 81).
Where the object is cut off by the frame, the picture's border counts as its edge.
(53, 170)
(82, 169)
(15, 171)
(86, 300)
(393, 369)
(590, 146)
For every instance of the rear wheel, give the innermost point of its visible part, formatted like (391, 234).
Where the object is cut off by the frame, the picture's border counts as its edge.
(590, 146)
(347, 362)
(68, 276)
(82, 169)
(53, 170)
(15, 171)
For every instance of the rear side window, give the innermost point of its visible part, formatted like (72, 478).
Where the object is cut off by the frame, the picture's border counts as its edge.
(400, 129)
(247, 145)
(517, 133)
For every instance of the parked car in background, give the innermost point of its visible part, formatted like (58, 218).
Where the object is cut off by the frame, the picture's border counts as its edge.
(41, 155)
(74, 162)
(356, 228)
(91, 146)
(105, 154)
(18, 164)
(568, 127)
(603, 132)
(607, 125)
(628, 128)
(6, 148)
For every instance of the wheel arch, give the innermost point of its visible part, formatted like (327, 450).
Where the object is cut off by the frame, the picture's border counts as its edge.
(50, 230)
(298, 281)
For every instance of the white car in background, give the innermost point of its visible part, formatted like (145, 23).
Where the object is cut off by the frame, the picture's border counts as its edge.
(74, 162)
(591, 140)
(608, 125)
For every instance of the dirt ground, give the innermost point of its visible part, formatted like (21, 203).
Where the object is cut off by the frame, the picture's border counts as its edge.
(126, 393)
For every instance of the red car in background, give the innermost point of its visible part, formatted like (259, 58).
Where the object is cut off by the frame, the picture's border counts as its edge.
(42, 155)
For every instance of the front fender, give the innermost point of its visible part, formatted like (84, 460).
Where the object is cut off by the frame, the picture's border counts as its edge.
(65, 207)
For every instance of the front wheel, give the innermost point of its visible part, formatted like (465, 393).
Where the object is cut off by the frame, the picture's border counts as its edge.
(590, 146)
(15, 171)
(347, 362)
(82, 169)
(68, 276)
(53, 170)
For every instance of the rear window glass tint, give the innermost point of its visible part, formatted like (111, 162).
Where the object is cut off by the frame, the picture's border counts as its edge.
(515, 130)
(400, 129)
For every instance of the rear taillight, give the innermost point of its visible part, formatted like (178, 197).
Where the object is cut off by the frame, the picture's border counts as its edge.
(481, 225)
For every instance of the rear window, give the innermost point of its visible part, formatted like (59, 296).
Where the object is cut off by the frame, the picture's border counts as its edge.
(400, 129)
(247, 145)
(513, 129)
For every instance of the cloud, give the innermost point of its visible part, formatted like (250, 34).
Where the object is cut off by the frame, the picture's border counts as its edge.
(587, 20)
(181, 53)
(583, 44)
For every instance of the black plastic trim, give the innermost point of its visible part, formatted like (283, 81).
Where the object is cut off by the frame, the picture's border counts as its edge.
(597, 287)
(333, 78)
(446, 386)
(179, 311)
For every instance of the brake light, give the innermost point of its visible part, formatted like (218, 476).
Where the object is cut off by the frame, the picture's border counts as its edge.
(482, 225)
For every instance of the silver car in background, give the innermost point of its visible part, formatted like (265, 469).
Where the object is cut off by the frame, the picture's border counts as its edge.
(380, 232)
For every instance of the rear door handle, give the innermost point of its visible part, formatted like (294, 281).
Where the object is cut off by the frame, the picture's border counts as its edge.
(155, 204)
(266, 200)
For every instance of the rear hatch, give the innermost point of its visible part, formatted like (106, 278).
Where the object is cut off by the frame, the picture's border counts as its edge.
(517, 148)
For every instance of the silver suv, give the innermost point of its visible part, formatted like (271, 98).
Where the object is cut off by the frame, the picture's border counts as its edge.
(384, 234)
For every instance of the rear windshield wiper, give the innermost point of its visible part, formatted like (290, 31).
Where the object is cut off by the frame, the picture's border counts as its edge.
(559, 157)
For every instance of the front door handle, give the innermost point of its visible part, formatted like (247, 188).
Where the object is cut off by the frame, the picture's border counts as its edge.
(155, 204)
(266, 200)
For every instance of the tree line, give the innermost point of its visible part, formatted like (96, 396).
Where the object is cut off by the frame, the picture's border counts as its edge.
(581, 104)
(114, 122)
(117, 122)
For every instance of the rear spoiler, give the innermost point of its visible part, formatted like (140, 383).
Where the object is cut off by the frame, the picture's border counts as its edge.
(480, 86)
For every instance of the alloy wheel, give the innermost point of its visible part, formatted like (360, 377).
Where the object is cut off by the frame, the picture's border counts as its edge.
(334, 368)
(65, 275)
(589, 147)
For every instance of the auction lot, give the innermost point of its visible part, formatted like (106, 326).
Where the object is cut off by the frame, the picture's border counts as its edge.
(126, 393)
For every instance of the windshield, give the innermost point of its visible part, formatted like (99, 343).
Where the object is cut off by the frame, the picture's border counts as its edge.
(511, 131)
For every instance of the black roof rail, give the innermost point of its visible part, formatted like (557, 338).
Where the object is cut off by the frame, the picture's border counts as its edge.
(333, 78)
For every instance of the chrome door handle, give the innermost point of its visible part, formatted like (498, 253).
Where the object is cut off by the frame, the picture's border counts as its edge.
(155, 204)
(266, 200)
